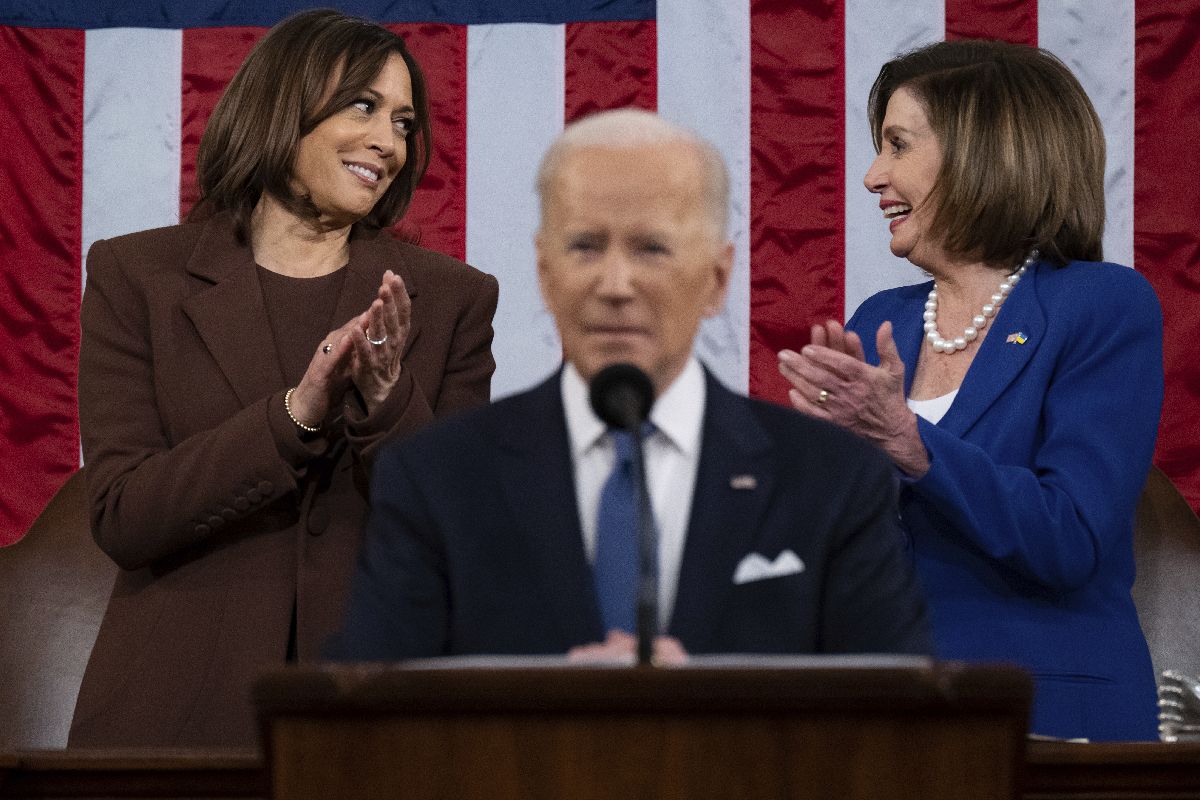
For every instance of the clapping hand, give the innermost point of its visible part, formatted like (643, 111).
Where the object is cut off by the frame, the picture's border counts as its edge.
(378, 337)
(365, 353)
(831, 380)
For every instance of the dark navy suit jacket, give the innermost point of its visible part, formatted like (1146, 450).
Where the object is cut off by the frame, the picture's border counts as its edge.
(474, 543)
(1023, 525)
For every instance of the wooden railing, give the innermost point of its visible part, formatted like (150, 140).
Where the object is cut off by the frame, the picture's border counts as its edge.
(1053, 771)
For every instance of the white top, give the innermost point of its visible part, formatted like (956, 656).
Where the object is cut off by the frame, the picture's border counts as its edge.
(672, 454)
(933, 409)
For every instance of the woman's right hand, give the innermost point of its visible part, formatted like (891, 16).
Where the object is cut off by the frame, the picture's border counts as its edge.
(326, 378)
(831, 380)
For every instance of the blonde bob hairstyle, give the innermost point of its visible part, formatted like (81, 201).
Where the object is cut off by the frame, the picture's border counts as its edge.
(1022, 150)
(307, 68)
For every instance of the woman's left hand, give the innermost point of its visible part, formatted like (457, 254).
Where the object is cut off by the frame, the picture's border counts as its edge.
(379, 335)
(831, 380)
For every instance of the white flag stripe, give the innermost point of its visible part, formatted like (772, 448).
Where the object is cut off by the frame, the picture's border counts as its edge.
(704, 83)
(515, 101)
(872, 39)
(131, 131)
(1096, 40)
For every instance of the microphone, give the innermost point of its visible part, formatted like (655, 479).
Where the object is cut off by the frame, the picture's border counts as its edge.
(622, 396)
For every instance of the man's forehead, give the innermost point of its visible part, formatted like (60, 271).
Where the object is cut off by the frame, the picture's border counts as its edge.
(599, 179)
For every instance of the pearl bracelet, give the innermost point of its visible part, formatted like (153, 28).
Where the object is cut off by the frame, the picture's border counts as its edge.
(287, 406)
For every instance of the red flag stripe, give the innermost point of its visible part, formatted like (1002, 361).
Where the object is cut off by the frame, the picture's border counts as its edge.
(438, 215)
(1166, 207)
(41, 125)
(610, 65)
(797, 164)
(1010, 20)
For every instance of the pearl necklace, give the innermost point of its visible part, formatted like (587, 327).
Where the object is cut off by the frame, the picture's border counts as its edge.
(979, 322)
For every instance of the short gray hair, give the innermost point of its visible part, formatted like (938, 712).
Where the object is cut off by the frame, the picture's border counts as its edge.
(626, 128)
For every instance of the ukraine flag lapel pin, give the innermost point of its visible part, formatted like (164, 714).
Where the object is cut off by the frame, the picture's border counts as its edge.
(1016, 338)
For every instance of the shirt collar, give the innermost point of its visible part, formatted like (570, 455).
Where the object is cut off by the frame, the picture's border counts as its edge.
(678, 414)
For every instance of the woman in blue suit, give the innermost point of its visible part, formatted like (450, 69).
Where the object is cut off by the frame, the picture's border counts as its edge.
(1018, 392)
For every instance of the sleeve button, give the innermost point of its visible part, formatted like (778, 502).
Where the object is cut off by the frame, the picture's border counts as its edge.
(267, 488)
(241, 504)
(254, 496)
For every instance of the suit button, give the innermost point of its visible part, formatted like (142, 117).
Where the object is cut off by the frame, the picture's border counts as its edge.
(254, 496)
(241, 504)
(229, 514)
(216, 522)
(267, 488)
(318, 520)
(203, 529)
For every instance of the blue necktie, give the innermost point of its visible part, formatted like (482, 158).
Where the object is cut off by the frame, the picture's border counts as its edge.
(616, 566)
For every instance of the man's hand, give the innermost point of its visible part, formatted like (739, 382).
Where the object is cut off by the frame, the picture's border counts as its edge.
(621, 648)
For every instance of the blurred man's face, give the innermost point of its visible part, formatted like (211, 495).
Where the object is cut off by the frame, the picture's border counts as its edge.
(629, 259)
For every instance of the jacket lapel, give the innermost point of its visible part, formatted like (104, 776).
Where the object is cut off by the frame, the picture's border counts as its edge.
(999, 361)
(230, 316)
(734, 481)
(538, 481)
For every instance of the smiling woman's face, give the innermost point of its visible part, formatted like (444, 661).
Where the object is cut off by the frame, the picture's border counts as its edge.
(903, 174)
(346, 163)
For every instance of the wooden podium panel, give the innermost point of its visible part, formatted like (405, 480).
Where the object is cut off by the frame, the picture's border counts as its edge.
(813, 728)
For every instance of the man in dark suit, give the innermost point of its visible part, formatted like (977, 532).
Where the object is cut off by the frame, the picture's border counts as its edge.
(778, 533)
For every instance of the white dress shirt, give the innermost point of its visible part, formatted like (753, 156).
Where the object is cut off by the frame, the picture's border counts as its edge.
(672, 454)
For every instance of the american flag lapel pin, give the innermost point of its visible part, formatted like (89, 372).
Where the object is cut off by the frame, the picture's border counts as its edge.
(1016, 338)
(743, 482)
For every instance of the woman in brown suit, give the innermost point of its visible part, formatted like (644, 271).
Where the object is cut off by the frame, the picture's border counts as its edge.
(239, 371)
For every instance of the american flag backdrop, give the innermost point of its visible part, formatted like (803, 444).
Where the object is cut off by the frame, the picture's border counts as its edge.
(102, 104)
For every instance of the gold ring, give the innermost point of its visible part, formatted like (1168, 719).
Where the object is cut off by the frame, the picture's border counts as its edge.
(822, 396)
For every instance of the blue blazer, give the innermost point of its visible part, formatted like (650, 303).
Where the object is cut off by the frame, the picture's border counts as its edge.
(1022, 528)
(474, 544)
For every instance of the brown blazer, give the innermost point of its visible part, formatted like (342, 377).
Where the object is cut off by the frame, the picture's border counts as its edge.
(222, 518)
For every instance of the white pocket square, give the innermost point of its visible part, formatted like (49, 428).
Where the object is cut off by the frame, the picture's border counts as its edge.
(755, 567)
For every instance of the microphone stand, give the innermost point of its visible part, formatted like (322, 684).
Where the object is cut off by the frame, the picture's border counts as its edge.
(622, 395)
(647, 594)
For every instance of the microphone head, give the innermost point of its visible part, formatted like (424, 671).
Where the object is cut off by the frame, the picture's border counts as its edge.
(621, 395)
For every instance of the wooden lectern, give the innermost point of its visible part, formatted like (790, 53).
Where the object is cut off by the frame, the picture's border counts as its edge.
(718, 728)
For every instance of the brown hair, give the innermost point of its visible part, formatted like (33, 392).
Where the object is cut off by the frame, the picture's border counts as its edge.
(307, 68)
(1022, 150)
